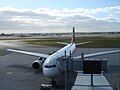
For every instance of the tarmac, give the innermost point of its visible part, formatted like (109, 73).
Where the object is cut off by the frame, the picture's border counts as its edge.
(16, 72)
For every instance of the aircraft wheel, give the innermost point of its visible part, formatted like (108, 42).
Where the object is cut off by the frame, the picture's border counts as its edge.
(53, 83)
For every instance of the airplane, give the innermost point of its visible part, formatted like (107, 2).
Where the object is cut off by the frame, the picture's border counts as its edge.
(50, 64)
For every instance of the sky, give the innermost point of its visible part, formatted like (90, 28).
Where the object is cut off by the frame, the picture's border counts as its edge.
(51, 16)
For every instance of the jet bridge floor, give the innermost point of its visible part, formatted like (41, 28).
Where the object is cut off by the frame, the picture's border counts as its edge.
(83, 82)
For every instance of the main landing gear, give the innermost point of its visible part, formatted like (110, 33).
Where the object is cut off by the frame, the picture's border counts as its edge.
(53, 82)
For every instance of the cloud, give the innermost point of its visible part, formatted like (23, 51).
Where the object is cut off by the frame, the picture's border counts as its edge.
(56, 20)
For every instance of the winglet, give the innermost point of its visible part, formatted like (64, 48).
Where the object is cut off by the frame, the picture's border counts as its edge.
(73, 36)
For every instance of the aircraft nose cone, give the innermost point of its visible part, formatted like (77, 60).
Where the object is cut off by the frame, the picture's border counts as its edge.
(49, 72)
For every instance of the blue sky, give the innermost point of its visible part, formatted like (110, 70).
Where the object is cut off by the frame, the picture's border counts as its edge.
(59, 4)
(18, 16)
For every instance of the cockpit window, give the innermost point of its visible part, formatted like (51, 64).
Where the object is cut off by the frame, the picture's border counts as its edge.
(40, 58)
(50, 66)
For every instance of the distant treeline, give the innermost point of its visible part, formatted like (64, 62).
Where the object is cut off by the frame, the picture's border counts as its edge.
(54, 34)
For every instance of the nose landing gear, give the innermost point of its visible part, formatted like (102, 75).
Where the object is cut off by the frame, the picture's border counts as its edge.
(53, 82)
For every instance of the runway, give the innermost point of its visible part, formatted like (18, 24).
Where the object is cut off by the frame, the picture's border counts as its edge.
(16, 72)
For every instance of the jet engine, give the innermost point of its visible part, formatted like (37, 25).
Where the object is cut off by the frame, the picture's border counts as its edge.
(37, 63)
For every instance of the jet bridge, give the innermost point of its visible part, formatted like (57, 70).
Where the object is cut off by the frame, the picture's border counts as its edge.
(90, 77)
(83, 82)
(77, 65)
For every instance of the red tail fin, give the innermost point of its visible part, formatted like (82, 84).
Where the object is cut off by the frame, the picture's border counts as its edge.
(73, 36)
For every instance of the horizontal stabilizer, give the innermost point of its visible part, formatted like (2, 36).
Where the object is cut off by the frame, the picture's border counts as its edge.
(83, 43)
(62, 43)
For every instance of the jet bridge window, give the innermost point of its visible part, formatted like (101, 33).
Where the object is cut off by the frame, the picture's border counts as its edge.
(50, 66)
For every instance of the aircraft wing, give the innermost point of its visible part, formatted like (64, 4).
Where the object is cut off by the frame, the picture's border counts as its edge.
(29, 53)
(97, 54)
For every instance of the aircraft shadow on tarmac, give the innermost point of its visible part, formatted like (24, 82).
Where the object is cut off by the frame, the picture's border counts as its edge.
(26, 68)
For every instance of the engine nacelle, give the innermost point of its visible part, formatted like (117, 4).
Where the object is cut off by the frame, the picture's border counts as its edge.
(37, 64)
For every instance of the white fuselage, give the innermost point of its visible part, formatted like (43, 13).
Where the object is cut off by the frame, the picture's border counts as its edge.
(51, 66)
